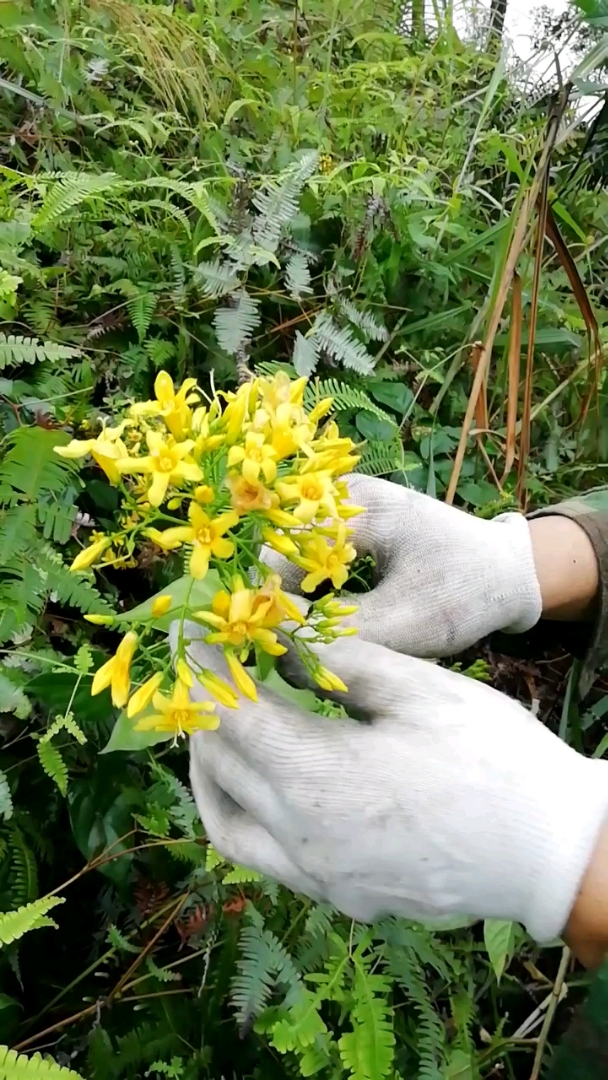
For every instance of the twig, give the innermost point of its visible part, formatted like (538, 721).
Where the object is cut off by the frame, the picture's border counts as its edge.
(553, 1003)
(147, 948)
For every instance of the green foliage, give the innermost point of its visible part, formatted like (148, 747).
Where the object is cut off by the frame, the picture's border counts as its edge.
(19, 1067)
(14, 924)
(203, 188)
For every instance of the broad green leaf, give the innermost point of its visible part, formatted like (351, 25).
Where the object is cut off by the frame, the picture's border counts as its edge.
(126, 737)
(499, 937)
(185, 591)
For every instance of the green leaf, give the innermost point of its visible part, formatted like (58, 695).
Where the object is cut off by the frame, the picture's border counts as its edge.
(499, 938)
(126, 737)
(14, 1066)
(14, 924)
(372, 427)
(396, 395)
(185, 591)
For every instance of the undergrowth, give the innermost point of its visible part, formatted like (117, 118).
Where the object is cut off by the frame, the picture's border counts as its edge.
(216, 188)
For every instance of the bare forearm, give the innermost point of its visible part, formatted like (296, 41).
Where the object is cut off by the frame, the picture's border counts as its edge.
(566, 567)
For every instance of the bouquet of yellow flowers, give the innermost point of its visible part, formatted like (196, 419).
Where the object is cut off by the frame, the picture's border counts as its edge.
(215, 477)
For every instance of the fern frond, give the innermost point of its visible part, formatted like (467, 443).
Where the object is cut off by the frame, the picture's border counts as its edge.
(379, 458)
(72, 189)
(368, 1050)
(53, 764)
(346, 398)
(64, 723)
(12, 698)
(14, 1066)
(6, 799)
(297, 276)
(118, 941)
(216, 278)
(234, 325)
(277, 202)
(141, 309)
(341, 345)
(72, 590)
(264, 963)
(364, 320)
(31, 468)
(240, 875)
(14, 924)
(16, 349)
(24, 871)
(183, 812)
(305, 354)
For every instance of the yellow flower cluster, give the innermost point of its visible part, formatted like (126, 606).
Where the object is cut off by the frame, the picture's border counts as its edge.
(216, 476)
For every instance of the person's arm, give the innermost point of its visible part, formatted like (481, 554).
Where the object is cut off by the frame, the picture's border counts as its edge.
(570, 547)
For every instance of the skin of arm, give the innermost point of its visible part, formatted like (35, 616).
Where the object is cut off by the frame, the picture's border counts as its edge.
(568, 574)
(566, 568)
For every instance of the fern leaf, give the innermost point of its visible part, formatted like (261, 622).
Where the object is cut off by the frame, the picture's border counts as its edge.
(277, 201)
(24, 871)
(183, 812)
(14, 1066)
(6, 799)
(365, 321)
(216, 278)
(297, 276)
(53, 764)
(16, 349)
(70, 191)
(13, 699)
(346, 398)
(72, 590)
(161, 974)
(341, 345)
(14, 924)
(368, 1051)
(31, 467)
(234, 325)
(263, 964)
(379, 458)
(64, 723)
(141, 309)
(305, 354)
(240, 875)
(119, 942)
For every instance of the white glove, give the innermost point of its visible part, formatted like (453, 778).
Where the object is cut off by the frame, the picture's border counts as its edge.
(450, 799)
(445, 579)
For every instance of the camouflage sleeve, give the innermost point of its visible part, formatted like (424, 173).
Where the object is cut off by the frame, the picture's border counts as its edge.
(590, 511)
(583, 1054)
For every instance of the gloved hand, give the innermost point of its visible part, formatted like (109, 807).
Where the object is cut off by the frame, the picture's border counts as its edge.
(445, 579)
(448, 799)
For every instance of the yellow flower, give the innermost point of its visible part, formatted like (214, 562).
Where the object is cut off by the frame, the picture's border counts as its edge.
(166, 464)
(206, 536)
(161, 605)
(90, 554)
(281, 606)
(241, 677)
(257, 457)
(313, 492)
(178, 714)
(106, 450)
(220, 689)
(205, 441)
(279, 542)
(237, 410)
(322, 560)
(238, 619)
(172, 406)
(157, 537)
(183, 673)
(100, 620)
(246, 496)
(204, 494)
(291, 430)
(115, 672)
(143, 696)
(328, 681)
